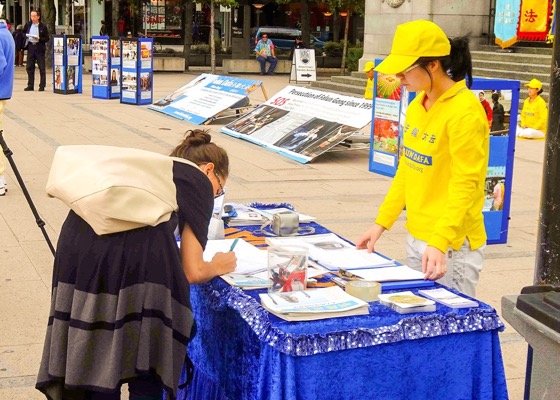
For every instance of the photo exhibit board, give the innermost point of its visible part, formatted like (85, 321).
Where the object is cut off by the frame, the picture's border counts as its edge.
(390, 101)
(304, 68)
(502, 123)
(67, 64)
(105, 67)
(205, 97)
(301, 123)
(137, 74)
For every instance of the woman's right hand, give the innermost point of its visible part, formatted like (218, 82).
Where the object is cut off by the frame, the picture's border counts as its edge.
(224, 262)
(368, 239)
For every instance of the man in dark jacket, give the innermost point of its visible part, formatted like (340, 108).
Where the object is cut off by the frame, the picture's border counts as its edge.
(37, 37)
(19, 39)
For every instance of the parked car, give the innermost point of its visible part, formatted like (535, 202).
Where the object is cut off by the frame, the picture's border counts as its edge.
(284, 38)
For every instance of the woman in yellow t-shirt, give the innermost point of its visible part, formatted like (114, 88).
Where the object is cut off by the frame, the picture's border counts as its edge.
(441, 175)
(534, 115)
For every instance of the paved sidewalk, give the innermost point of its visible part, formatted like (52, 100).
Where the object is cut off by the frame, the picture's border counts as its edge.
(337, 188)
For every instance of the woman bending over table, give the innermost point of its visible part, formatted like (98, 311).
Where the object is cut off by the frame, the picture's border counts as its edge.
(120, 309)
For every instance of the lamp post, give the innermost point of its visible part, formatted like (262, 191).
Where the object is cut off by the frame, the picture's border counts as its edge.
(258, 7)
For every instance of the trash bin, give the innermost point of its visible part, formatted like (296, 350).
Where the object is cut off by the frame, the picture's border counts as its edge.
(535, 315)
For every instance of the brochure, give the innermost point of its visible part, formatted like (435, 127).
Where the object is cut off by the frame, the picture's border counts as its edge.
(313, 304)
(407, 302)
(448, 298)
(334, 253)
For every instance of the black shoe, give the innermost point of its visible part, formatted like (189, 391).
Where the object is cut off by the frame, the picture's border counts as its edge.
(29, 89)
(41, 89)
(270, 73)
(262, 73)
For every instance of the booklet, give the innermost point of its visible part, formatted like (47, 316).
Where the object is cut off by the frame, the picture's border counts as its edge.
(247, 282)
(334, 253)
(407, 302)
(313, 304)
(448, 298)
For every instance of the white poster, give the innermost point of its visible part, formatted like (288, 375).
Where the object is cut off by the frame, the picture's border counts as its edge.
(302, 123)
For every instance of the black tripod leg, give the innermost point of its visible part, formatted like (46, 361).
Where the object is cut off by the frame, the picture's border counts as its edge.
(40, 223)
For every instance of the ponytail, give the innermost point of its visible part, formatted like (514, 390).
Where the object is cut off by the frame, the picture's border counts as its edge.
(459, 63)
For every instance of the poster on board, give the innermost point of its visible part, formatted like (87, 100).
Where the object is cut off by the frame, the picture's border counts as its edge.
(302, 123)
(204, 97)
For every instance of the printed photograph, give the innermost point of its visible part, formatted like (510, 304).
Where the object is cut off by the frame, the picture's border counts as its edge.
(388, 87)
(331, 139)
(304, 135)
(129, 81)
(386, 135)
(145, 81)
(256, 120)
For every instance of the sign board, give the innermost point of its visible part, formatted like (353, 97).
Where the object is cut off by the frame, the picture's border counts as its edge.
(204, 97)
(302, 123)
(303, 66)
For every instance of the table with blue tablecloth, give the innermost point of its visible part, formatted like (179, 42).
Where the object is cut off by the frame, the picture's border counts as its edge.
(241, 351)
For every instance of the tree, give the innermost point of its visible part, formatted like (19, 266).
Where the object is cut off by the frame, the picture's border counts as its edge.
(48, 17)
(350, 7)
(212, 4)
(115, 17)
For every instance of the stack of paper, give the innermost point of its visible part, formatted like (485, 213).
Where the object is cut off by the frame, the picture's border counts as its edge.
(448, 298)
(407, 302)
(333, 253)
(246, 216)
(250, 259)
(307, 305)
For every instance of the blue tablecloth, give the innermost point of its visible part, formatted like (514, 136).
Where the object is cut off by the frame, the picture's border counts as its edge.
(242, 352)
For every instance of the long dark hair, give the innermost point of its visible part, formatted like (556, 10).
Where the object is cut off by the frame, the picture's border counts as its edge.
(198, 148)
(458, 64)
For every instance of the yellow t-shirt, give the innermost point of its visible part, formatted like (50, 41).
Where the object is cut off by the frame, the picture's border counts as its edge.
(441, 174)
(368, 94)
(534, 114)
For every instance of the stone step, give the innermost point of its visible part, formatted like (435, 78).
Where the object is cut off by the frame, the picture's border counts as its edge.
(512, 57)
(517, 49)
(524, 77)
(341, 88)
(509, 66)
(350, 80)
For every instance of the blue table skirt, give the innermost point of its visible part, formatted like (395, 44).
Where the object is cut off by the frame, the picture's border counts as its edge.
(242, 352)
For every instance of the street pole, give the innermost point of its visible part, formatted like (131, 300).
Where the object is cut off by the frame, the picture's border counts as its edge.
(547, 260)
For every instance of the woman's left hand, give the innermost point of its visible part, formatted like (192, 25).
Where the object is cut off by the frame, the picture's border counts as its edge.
(434, 263)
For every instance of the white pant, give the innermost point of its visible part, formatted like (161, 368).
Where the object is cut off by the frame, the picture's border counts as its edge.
(529, 133)
(463, 265)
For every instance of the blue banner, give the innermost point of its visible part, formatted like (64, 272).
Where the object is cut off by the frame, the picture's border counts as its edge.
(505, 23)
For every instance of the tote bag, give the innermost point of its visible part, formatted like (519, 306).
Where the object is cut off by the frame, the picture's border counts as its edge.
(114, 189)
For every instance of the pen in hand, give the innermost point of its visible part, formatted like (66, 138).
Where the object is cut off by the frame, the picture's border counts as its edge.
(233, 244)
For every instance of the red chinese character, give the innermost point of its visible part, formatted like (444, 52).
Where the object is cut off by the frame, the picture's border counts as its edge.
(530, 16)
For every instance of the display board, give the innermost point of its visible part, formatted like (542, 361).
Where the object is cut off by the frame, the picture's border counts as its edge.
(205, 96)
(67, 64)
(390, 101)
(105, 67)
(302, 123)
(386, 144)
(304, 68)
(136, 70)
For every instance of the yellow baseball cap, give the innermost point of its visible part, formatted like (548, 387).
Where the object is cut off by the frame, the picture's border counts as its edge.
(413, 40)
(534, 84)
(369, 66)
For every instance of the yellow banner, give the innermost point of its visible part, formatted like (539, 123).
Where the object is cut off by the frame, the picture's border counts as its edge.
(534, 16)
